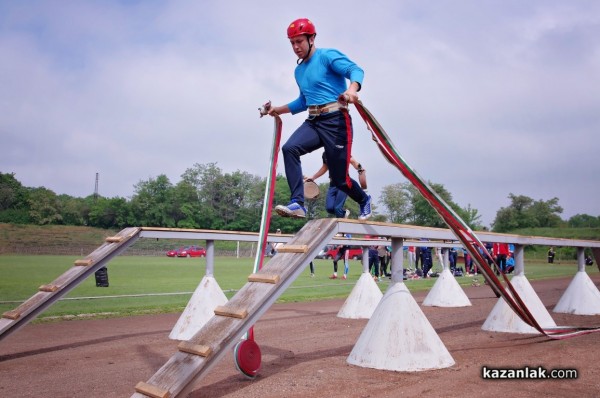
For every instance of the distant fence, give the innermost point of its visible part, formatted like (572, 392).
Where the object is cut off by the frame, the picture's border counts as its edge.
(63, 250)
(67, 250)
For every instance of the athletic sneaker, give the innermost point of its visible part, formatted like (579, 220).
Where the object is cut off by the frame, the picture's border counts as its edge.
(344, 277)
(347, 213)
(334, 276)
(365, 210)
(291, 210)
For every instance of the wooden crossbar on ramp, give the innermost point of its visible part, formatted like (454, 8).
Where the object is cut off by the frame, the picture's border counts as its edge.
(48, 294)
(222, 332)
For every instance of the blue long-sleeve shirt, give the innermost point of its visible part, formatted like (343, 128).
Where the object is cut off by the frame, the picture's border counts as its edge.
(322, 78)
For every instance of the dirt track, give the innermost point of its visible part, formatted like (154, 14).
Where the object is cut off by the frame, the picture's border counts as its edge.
(304, 347)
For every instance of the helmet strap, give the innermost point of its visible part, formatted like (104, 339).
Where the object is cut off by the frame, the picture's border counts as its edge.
(310, 46)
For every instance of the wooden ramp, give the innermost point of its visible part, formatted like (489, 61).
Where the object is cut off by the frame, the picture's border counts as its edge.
(50, 293)
(197, 355)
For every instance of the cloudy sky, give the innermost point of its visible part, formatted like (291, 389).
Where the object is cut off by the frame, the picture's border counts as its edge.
(487, 98)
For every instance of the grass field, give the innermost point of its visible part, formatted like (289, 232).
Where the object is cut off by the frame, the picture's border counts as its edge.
(141, 285)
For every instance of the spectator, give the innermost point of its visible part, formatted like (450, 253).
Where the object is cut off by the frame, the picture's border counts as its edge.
(489, 246)
(342, 253)
(382, 253)
(589, 260)
(501, 251)
(510, 263)
(551, 254)
(468, 262)
(452, 255)
(374, 262)
(418, 258)
(427, 261)
(412, 257)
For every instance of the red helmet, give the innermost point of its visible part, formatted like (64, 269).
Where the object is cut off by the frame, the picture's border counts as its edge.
(301, 26)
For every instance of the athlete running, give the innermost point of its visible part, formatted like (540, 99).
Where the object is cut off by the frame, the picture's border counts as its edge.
(321, 76)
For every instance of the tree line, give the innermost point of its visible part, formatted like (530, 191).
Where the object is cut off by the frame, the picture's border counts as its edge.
(206, 197)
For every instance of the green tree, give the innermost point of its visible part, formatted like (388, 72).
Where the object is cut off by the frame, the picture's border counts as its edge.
(110, 213)
(12, 193)
(44, 206)
(397, 199)
(186, 205)
(405, 204)
(236, 205)
(584, 221)
(471, 216)
(524, 212)
(423, 213)
(205, 180)
(546, 213)
(231, 201)
(14, 200)
(152, 203)
(71, 210)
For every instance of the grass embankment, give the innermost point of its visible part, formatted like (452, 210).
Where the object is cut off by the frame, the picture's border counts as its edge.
(77, 240)
(162, 285)
(40, 239)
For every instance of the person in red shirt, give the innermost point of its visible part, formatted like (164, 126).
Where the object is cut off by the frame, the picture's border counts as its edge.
(500, 252)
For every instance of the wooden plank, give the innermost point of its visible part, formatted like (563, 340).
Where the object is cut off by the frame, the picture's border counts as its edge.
(222, 332)
(114, 239)
(232, 313)
(264, 278)
(293, 249)
(12, 314)
(51, 292)
(151, 391)
(48, 288)
(27, 306)
(196, 349)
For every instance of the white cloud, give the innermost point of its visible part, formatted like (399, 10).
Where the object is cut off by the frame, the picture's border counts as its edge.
(485, 98)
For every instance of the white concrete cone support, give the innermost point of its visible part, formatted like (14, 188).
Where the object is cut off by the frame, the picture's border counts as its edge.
(503, 319)
(199, 310)
(363, 299)
(446, 292)
(581, 297)
(399, 337)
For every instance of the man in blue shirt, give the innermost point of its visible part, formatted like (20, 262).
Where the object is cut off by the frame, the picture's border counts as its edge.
(321, 76)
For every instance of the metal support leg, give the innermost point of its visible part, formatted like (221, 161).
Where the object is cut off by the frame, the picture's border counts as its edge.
(519, 260)
(580, 259)
(397, 264)
(210, 257)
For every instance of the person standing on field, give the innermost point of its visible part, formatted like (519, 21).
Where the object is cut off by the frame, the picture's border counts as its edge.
(321, 75)
(551, 254)
(500, 251)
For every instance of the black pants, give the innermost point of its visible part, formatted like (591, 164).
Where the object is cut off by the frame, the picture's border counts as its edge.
(374, 265)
